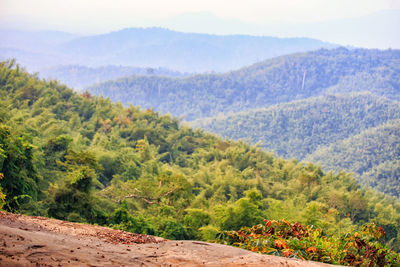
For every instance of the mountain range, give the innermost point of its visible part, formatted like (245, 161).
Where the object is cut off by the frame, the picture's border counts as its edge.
(281, 79)
(147, 47)
(302, 106)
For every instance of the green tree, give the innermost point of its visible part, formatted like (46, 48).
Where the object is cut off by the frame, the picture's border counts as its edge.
(20, 178)
(73, 201)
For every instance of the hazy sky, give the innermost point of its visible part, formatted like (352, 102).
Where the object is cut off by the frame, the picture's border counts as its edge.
(90, 16)
(376, 23)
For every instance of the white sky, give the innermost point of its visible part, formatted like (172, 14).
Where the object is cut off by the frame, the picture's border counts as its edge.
(103, 15)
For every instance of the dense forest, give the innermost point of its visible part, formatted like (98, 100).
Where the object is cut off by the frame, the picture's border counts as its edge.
(296, 129)
(277, 80)
(373, 155)
(83, 158)
(339, 132)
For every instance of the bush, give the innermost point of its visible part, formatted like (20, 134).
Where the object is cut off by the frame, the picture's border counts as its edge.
(282, 238)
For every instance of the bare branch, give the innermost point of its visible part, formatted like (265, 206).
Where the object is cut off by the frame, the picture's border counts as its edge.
(152, 200)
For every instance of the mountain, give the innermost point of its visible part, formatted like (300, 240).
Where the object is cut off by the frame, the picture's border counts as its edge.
(83, 158)
(296, 129)
(149, 47)
(373, 155)
(79, 77)
(191, 52)
(277, 80)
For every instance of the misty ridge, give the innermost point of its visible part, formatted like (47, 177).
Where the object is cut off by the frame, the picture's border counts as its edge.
(148, 47)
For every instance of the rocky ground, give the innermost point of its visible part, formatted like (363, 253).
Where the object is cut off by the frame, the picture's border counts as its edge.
(38, 241)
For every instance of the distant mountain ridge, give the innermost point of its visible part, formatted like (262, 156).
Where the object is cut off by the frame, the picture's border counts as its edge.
(193, 52)
(79, 77)
(149, 47)
(277, 80)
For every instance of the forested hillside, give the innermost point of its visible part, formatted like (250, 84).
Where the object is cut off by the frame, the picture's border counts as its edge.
(78, 77)
(282, 79)
(83, 158)
(373, 155)
(296, 129)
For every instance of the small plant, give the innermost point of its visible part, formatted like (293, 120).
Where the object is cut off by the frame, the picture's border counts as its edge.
(282, 238)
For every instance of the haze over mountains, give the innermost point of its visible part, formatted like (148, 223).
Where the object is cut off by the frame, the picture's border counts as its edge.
(382, 28)
(148, 47)
(79, 77)
(378, 29)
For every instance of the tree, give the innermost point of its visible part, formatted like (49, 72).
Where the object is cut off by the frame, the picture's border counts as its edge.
(16, 165)
(73, 200)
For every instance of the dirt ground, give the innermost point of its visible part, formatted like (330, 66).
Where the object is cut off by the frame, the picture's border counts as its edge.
(38, 241)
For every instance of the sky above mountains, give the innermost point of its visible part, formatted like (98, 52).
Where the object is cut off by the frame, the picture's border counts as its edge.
(340, 21)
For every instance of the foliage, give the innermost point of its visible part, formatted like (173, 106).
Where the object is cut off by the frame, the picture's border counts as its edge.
(282, 238)
(19, 176)
(353, 132)
(88, 159)
(2, 196)
(298, 128)
(121, 219)
(373, 155)
(73, 201)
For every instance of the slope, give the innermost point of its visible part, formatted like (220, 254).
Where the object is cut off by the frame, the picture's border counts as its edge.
(296, 129)
(373, 155)
(274, 81)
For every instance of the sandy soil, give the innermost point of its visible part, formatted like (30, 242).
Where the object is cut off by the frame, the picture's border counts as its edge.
(38, 241)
